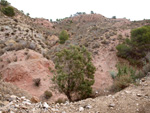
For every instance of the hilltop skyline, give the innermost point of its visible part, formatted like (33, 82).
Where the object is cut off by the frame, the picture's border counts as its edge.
(134, 10)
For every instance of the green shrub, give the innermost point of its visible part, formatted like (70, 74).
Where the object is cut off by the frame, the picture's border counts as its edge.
(136, 48)
(113, 74)
(9, 11)
(63, 36)
(4, 3)
(123, 50)
(121, 82)
(47, 94)
(125, 76)
(75, 71)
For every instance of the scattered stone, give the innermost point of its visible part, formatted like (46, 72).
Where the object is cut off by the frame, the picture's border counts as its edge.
(81, 109)
(139, 95)
(63, 112)
(55, 110)
(111, 105)
(96, 92)
(128, 92)
(13, 97)
(26, 102)
(23, 98)
(143, 80)
(88, 107)
(45, 105)
(34, 99)
(23, 107)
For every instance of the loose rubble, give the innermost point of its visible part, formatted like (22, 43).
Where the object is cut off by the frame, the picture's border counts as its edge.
(134, 99)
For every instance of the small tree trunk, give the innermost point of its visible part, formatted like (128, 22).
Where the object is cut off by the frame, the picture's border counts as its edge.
(68, 95)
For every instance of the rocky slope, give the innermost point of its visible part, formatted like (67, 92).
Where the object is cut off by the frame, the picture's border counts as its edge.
(134, 99)
(27, 51)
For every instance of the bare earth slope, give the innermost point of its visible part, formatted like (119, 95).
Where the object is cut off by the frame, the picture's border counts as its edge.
(22, 67)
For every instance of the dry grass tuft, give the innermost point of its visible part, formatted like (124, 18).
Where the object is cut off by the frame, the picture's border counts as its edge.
(8, 88)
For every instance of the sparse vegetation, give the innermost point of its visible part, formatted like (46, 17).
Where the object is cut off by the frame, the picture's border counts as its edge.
(60, 100)
(125, 76)
(75, 71)
(37, 82)
(47, 94)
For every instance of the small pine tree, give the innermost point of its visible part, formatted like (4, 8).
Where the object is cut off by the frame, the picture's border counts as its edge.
(63, 36)
(28, 14)
(92, 12)
(75, 71)
(114, 17)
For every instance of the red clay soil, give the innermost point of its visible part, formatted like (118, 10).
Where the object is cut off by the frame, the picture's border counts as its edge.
(26, 69)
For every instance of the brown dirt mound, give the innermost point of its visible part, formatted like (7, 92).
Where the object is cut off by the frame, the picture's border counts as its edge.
(22, 67)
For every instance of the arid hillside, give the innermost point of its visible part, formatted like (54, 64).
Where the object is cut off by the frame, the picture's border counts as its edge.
(28, 48)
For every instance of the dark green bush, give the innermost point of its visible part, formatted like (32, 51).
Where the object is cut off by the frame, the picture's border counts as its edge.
(9, 11)
(47, 94)
(136, 48)
(63, 36)
(113, 17)
(75, 71)
(123, 50)
(4, 3)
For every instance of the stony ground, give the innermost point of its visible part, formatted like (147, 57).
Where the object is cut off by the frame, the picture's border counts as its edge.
(134, 99)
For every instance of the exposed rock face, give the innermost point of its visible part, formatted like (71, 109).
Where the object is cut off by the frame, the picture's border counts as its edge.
(22, 67)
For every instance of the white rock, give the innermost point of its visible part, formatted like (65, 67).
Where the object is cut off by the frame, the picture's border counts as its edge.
(13, 97)
(139, 95)
(26, 102)
(17, 106)
(66, 103)
(88, 106)
(55, 110)
(111, 105)
(23, 98)
(128, 92)
(63, 112)
(109, 95)
(81, 109)
(96, 92)
(45, 105)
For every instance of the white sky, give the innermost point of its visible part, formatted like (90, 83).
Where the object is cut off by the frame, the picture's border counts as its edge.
(53, 9)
